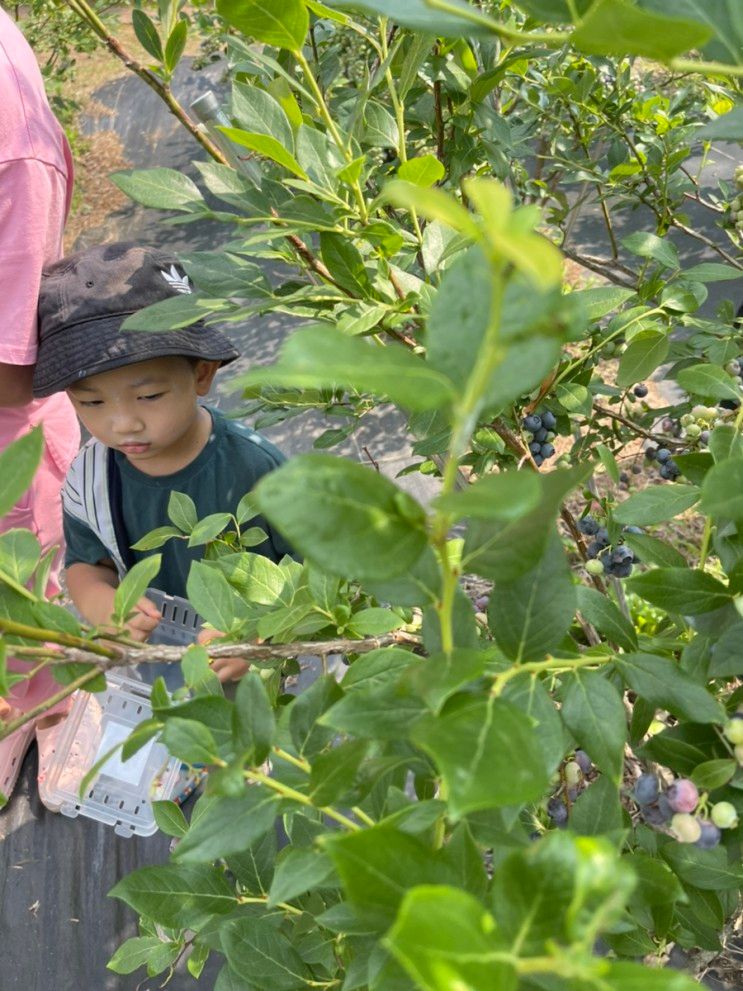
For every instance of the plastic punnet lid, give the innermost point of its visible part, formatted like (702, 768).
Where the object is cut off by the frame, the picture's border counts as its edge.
(122, 792)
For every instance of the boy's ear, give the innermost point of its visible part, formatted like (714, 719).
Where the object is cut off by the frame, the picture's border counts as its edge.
(204, 372)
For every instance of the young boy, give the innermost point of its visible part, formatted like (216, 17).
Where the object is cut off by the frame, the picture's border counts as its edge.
(137, 393)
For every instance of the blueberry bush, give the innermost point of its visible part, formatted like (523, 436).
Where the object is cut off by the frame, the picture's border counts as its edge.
(537, 785)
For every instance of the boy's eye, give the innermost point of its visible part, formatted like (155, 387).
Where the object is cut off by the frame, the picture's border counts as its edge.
(90, 402)
(154, 395)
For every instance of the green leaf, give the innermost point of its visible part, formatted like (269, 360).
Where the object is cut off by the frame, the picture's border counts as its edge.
(147, 35)
(350, 520)
(228, 825)
(624, 976)
(530, 615)
(656, 504)
(445, 939)
(650, 550)
(377, 668)
(662, 682)
(156, 538)
(164, 189)
(258, 112)
(267, 146)
(211, 595)
(598, 810)
(616, 27)
(378, 865)
(345, 263)
(720, 16)
(299, 870)
(262, 955)
(209, 528)
(486, 752)
(713, 271)
(255, 724)
(506, 496)
(423, 171)
(609, 462)
(18, 464)
(373, 622)
(505, 551)
(139, 577)
(189, 741)
(714, 774)
(594, 713)
(644, 353)
(683, 296)
(726, 127)
(419, 16)
(708, 381)
(648, 245)
(182, 511)
(556, 888)
(280, 23)
(602, 300)
(333, 772)
(681, 590)
(135, 952)
(175, 45)
(380, 128)
(170, 819)
(177, 896)
(319, 357)
(709, 870)
(727, 657)
(601, 613)
(308, 736)
(381, 712)
(722, 492)
(433, 204)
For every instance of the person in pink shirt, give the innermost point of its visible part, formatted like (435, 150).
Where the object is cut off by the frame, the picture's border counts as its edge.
(35, 191)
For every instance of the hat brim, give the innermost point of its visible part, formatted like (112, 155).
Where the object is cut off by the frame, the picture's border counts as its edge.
(95, 346)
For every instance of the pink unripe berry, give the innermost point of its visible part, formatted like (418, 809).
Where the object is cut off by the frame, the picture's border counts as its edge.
(724, 815)
(686, 828)
(683, 795)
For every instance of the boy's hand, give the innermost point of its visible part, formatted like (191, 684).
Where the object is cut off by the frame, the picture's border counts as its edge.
(145, 619)
(225, 668)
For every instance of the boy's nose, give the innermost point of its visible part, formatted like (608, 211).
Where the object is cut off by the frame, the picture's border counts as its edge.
(126, 423)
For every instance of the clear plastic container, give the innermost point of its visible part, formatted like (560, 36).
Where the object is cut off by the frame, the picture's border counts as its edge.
(179, 627)
(122, 792)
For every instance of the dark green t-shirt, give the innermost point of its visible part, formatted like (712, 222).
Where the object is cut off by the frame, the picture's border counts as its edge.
(234, 459)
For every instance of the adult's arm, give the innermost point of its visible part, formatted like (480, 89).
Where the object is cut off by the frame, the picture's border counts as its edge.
(32, 203)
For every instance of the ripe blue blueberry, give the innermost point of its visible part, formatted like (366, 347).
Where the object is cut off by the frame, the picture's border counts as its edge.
(670, 471)
(651, 453)
(532, 423)
(558, 812)
(541, 435)
(710, 836)
(663, 455)
(547, 450)
(583, 761)
(633, 529)
(538, 460)
(646, 789)
(549, 420)
(589, 526)
(535, 447)
(640, 390)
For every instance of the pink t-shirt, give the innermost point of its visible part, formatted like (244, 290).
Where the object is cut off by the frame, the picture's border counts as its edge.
(35, 191)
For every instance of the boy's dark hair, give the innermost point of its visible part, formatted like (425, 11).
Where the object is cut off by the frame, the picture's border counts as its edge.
(86, 297)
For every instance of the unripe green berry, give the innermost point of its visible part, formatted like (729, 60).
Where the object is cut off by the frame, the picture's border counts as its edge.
(686, 419)
(699, 412)
(734, 731)
(712, 412)
(739, 754)
(686, 827)
(693, 430)
(573, 774)
(594, 567)
(724, 815)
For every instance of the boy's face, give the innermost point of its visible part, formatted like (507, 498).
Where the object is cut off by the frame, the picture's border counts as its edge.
(148, 411)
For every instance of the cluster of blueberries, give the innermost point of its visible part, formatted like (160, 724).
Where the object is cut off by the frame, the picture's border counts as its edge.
(575, 772)
(602, 558)
(668, 468)
(675, 806)
(539, 432)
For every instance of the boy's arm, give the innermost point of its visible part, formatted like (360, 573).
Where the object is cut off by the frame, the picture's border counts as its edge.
(92, 588)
